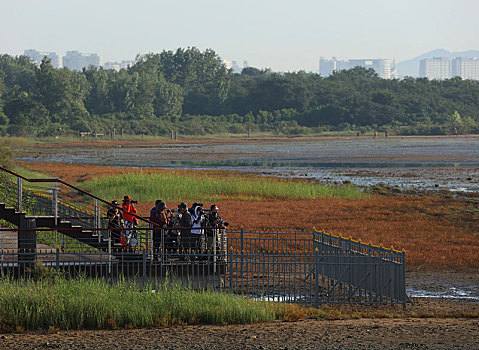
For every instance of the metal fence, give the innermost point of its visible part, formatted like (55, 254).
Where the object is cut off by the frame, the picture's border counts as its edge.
(310, 268)
(350, 271)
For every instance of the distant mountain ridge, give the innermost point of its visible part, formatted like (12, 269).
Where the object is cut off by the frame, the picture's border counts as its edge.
(411, 67)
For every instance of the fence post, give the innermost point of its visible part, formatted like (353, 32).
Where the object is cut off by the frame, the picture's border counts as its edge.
(230, 253)
(162, 245)
(97, 219)
(109, 253)
(55, 202)
(215, 242)
(403, 287)
(57, 259)
(55, 209)
(3, 237)
(19, 195)
(242, 258)
(144, 265)
(316, 279)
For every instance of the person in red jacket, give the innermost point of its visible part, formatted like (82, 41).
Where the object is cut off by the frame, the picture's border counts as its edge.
(130, 221)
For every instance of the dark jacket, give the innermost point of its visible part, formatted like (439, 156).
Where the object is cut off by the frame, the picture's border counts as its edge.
(114, 221)
(185, 221)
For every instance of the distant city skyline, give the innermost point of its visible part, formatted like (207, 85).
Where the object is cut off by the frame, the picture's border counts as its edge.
(429, 65)
(281, 35)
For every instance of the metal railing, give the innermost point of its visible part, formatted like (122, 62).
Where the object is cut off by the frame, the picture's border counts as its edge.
(53, 197)
(308, 268)
(311, 268)
(350, 271)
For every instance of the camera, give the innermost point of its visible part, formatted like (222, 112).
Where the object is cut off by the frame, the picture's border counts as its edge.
(133, 202)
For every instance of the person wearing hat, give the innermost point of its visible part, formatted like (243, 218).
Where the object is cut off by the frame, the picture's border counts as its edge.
(197, 237)
(214, 233)
(159, 216)
(130, 220)
(184, 221)
(115, 220)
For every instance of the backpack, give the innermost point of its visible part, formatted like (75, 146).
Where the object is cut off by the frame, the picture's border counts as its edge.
(132, 239)
(161, 220)
(152, 213)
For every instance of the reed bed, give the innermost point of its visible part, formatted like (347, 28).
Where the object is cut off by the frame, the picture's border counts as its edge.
(58, 303)
(174, 187)
(438, 233)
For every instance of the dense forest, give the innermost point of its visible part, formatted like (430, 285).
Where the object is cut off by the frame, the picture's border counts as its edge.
(193, 93)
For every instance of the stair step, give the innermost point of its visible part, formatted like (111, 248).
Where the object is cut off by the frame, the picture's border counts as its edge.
(87, 236)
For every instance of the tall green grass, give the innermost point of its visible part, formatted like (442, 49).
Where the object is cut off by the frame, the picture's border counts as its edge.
(53, 302)
(172, 187)
(92, 304)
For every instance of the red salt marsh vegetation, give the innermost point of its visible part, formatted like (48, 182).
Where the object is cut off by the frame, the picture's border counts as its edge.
(438, 232)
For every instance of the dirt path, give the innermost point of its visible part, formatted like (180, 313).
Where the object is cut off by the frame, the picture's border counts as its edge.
(307, 334)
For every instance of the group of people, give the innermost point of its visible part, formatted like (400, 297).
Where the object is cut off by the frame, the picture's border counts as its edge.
(192, 229)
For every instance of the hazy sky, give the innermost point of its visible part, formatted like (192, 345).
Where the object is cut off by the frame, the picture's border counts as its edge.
(282, 35)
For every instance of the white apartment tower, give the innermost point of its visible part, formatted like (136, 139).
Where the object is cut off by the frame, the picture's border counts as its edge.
(328, 67)
(435, 68)
(466, 68)
(75, 60)
(37, 57)
(381, 66)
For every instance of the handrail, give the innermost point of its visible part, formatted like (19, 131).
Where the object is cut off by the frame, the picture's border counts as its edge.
(77, 189)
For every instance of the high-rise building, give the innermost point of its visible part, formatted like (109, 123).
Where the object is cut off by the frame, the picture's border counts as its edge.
(37, 57)
(235, 66)
(466, 68)
(92, 60)
(112, 66)
(328, 67)
(381, 66)
(75, 60)
(435, 68)
(118, 65)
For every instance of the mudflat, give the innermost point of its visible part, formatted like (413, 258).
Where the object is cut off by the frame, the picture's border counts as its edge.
(407, 162)
(410, 333)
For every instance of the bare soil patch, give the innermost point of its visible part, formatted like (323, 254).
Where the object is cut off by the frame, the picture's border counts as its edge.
(305, 334)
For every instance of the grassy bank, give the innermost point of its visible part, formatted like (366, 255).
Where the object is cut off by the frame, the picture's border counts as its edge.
(92, 304)
(56, 303)
(172, 187)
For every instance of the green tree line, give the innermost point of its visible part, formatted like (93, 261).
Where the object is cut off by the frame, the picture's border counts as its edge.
(192, 92)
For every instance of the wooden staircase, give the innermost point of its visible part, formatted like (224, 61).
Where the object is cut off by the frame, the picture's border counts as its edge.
(86, 236)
